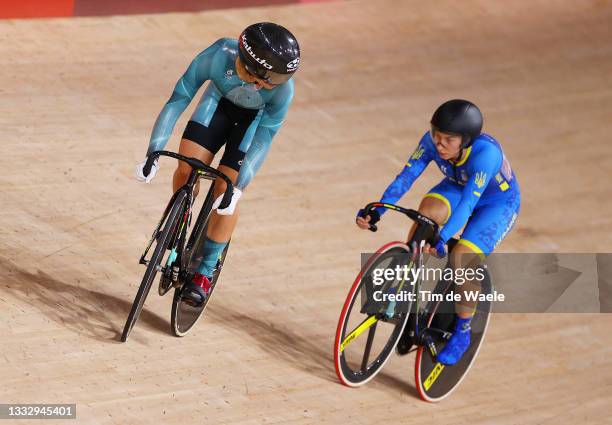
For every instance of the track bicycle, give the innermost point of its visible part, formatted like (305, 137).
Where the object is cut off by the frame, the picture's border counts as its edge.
(376, 312)
(177, 243)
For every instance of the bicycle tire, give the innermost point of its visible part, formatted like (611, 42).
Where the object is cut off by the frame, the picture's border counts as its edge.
(147, 280)
(346, 374)
(480, 324)
(180, 324)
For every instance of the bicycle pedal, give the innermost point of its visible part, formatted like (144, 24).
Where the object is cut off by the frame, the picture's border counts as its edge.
(175, 274)
(431, 345)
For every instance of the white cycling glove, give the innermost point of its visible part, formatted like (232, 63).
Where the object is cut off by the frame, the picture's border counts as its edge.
(138, 173)
(231, 207)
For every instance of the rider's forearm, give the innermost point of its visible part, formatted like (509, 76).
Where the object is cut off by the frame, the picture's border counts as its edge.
(480, 175)
(255, 156)
(399, 186)
(169, 115)
(457, 219)
(271, 121)
(469, 198)
(415, 165)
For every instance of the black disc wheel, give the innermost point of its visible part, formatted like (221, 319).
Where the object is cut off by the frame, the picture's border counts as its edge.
(184, 316)
(435, 381)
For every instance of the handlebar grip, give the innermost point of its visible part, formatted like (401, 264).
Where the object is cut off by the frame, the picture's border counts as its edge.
(148, 165)
(227, 196)
(368, 209)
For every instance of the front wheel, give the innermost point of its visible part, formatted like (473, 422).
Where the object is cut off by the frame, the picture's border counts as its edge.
(154, 265)
(369, 327)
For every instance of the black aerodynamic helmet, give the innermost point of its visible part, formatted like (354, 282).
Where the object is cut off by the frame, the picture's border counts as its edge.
(460, 117)
(269, 51)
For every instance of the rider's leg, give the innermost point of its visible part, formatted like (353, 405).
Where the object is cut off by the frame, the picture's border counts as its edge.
(433, 206)
(437, 205)
(486, 228)
(183, 170)
(201, 139)
(220, 227)
(465, 258)
(489, 224)
(226, 124)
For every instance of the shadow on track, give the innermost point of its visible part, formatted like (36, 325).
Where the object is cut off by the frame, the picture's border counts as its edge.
(287, 344)
(87, 312)
(282, 343)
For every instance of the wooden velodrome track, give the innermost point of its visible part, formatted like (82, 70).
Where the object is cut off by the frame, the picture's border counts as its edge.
(78, 98)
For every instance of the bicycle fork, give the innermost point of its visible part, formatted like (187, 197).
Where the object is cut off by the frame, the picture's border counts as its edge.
(173, 262)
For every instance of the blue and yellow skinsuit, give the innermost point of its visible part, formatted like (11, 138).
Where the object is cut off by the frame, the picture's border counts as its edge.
(480, 189)
(217, 65)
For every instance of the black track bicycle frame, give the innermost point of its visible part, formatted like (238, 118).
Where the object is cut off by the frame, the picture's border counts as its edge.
(199, 171)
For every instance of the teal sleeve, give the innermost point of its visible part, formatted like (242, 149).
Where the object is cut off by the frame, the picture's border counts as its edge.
(271, 121)
(485, 165)
(255, 156)
(185, 89)
(277, 107)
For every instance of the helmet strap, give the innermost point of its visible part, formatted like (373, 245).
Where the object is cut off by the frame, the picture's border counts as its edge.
(460, 154)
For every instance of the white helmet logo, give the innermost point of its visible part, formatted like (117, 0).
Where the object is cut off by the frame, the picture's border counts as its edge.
(249, 50)
(293, 65)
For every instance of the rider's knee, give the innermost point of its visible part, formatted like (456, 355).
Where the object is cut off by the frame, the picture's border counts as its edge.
(220, 186)
(435, 209)
(463, 257)
(182, 171)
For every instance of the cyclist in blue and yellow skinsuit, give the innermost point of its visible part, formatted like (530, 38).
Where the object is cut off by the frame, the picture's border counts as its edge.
(243, 107)
(479, 190)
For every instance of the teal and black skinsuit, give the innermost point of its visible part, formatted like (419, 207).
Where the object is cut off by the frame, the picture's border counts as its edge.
(217, 64)
(230, 111)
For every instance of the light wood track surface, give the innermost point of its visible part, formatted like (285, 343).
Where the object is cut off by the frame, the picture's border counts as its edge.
(78, 98)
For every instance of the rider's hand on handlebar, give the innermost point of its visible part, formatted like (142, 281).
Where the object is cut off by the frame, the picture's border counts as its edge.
(365, 222)
(139, 173)
(438, 249)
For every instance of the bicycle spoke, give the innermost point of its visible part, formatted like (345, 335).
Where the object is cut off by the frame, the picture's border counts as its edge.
(358, 331)
(362, 314)
(368, 347)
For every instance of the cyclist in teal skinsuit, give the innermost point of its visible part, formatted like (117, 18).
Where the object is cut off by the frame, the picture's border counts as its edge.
(242, 108)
